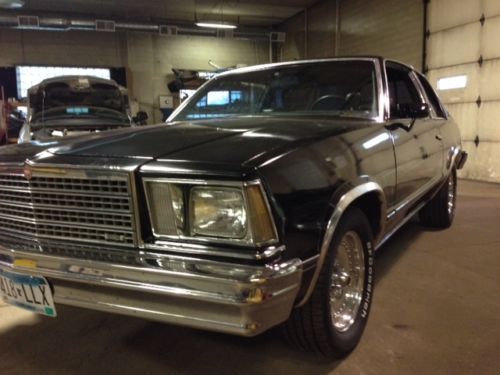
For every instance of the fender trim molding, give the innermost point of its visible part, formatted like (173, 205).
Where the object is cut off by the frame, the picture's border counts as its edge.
(343, 204)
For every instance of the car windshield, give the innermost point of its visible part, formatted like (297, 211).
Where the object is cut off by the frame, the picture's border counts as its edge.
(61, 99)
(332, 88)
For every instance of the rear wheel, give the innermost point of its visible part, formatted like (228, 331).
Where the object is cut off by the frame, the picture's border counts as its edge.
(440, 210)
(333, 319)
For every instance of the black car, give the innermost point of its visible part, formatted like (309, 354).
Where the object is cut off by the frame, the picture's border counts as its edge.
(260, 203)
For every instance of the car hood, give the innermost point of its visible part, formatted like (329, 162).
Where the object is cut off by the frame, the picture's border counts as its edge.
(242, 141)
(237, 141)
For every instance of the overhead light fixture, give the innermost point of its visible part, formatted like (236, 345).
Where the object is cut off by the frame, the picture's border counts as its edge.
(11, 4)
(216, 25)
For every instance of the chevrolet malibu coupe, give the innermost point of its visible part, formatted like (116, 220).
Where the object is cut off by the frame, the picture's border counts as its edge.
(260, 203)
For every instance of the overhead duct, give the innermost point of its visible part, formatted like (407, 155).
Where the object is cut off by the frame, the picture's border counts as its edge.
(105, 26)
(64, 23)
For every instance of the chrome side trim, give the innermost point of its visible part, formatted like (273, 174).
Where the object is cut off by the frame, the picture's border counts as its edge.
(415, 196)
(410, 200)
(341, 207)
(310, 262)
(399, 225)
(201, 249)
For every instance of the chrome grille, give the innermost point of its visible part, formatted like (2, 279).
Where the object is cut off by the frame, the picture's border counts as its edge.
(89, 206)
(72, 250)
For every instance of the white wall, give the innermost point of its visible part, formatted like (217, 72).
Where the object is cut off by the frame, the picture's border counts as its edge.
(457, 41)
(149, 58)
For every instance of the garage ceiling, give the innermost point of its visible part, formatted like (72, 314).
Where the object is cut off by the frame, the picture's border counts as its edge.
(248, 13)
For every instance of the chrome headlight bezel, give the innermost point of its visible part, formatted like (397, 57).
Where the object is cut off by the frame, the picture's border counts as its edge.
(253, 195)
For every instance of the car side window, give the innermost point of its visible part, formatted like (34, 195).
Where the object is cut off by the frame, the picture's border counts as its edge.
(432, 97)
(403, 93)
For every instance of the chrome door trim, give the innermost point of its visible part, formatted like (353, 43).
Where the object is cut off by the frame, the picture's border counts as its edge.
(399, 225)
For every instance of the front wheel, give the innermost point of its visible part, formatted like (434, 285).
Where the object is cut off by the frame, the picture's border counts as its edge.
(332, 321)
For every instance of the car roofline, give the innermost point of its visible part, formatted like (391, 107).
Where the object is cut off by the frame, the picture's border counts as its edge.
(259, 67)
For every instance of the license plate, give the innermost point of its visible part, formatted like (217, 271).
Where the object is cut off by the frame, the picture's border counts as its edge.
(29, 292)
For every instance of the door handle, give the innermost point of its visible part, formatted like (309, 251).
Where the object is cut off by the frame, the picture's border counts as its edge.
(439, 137)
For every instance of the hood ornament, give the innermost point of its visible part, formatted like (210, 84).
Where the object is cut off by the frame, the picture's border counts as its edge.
(28, 173)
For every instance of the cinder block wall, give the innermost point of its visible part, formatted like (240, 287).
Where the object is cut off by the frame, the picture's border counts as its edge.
(149, 59)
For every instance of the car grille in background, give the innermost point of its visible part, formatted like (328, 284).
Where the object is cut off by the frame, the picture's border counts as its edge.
(95, 209)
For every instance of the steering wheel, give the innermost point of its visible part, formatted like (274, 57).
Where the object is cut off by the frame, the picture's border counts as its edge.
(327, 101)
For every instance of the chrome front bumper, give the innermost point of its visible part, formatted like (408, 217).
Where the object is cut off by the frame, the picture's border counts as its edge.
(217, 296)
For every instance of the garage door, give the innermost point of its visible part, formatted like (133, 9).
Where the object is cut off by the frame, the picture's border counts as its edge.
(463, 63)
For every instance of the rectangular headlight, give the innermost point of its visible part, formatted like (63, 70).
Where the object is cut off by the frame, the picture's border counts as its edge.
(229, 212)
(218, 212)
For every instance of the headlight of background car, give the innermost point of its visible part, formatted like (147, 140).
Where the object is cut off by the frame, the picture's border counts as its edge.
(237, 214)
(218, 212)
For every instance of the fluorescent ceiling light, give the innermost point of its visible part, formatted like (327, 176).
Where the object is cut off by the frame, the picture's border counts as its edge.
(11, 4)
(452, 83)
(216, 25)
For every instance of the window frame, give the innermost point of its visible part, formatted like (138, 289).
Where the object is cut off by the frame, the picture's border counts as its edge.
(434, 111)
(380, 81)
(390, 64)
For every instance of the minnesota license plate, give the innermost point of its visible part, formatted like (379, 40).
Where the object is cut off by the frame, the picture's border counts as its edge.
(29, 292)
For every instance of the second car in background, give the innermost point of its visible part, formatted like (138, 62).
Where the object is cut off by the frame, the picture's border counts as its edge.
(74, 105)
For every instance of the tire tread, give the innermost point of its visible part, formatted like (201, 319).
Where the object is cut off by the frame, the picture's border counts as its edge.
(308, 327)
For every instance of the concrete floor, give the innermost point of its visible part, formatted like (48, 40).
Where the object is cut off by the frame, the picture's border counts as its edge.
(436, 310)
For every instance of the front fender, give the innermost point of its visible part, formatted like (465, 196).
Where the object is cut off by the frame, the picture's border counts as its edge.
(341, 201)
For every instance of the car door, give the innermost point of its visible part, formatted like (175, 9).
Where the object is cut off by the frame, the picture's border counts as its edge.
(417, 144)
(440, 118)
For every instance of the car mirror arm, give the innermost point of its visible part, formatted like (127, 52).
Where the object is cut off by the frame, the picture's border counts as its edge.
(405, 124)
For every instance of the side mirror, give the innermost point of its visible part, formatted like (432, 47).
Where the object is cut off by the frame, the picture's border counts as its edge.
(408, 113)
(140, 118)
(413, 111)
